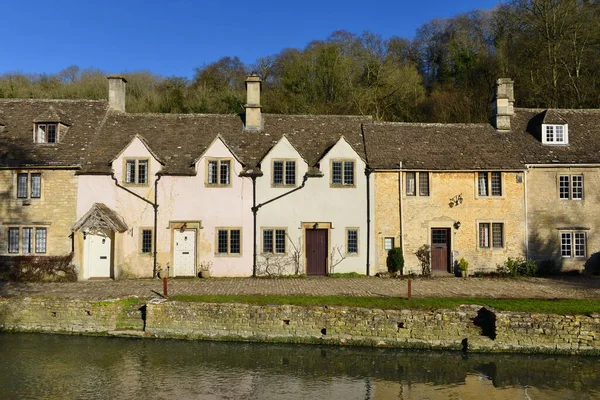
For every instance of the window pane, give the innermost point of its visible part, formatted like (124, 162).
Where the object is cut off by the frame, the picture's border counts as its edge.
(222, 241)
(484, 235)
(278, 173)
(41, 133)
(13, 240)
(146, 240)
(423, 183)
(565, 244)
(550, 133)
(349, 173)
(579, 244)
(290, 172)
(560, 135)
(564, 186)
(498, 235)
(496, 184)
(410, 184)
(22, 186)
(51, 133)
(130, 171)
(234, 241)
(336, 173)
(483, 183)
(439, 236)
(280, 241)
(142, 171)
(40, 240)
(36, 186)
(212, 172)
(27, 240)
(268, 241)
(577, 182)
(388, 243)
(224, 172)
(352, 245)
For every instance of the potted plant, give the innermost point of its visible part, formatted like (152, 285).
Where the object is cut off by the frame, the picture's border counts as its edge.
(463, 266)
(205, 269)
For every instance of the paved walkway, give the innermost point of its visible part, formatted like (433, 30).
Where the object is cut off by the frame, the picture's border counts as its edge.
(547, 288)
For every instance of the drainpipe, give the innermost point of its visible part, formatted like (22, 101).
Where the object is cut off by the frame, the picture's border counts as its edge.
(256, 207)
(526, 214)
(154, 206)
(368, 172)
(401, 208)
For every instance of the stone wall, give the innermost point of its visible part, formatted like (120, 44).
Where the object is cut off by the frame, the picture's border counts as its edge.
(469, 327)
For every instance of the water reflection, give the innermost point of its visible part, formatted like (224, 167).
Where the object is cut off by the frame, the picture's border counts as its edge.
(52, 366)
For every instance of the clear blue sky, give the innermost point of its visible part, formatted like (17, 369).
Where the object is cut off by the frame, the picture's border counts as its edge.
(172, 37)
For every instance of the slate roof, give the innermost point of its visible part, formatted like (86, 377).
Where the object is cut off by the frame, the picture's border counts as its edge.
(16, 138)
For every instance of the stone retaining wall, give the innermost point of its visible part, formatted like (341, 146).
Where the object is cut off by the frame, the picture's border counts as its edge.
(469, 327)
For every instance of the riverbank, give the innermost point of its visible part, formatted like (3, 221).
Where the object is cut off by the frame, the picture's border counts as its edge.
(470, 328)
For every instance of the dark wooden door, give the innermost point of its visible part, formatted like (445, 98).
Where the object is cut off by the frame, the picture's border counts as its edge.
(316, 252)
(440, 249)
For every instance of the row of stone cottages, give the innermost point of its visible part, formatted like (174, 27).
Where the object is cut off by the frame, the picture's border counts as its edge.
(130, 194)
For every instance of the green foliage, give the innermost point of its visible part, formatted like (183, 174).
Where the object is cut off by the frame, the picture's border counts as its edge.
(518, 267)
(463, 265)
(395, 261)
(347, 275)
(38, 268)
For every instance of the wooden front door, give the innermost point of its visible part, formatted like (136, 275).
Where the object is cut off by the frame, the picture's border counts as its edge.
(316, 252)
(440, 249)
(98, 251)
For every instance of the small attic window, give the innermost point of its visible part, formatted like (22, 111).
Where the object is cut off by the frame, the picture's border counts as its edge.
(555, 134)
(46, 133)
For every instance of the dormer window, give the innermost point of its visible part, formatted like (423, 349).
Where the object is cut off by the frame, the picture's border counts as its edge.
(555, 134)
(46, 133)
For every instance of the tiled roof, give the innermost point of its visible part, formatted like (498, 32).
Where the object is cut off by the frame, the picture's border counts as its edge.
(16, 139)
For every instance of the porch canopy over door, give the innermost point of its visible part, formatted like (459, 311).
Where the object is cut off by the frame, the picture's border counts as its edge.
(100, 217)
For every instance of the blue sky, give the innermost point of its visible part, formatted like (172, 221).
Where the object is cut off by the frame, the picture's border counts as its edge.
(173, 37)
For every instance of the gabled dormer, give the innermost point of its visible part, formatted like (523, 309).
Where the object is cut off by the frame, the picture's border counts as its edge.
(555, 129)
(50, 126)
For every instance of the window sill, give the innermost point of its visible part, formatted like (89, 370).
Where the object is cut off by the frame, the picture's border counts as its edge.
(337, 186)
(227, 255)
(212, 185)
(136, 184)
(283, 186)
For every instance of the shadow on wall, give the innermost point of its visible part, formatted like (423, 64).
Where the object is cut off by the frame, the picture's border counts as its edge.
(592, 265)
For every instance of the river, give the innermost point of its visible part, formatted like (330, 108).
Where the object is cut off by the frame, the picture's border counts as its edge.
(43, 366)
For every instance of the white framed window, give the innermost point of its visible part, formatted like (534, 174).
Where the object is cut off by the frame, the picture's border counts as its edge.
(570, 187)
(274, 240)
(414, 186)
(352, 241)
(46, 133)
(573, 244)
(555, 134)
(218, 172)
(489, 184)
(29, 185)
(284, 173)
(491, 235)
(27, 240)
(136, 171)
(342, 173)
(388, 243)
(146, 240)
(229, 241)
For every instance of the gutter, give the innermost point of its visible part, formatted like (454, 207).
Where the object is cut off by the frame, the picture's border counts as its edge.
(154, 206)
(558, 165)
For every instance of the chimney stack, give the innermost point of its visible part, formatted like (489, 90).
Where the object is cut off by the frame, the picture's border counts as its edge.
(503, 104)
(253, 107)
(116, 92)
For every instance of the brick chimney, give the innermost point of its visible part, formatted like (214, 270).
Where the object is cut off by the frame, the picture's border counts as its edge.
(116, 92)
(503, 104)
(253, 107)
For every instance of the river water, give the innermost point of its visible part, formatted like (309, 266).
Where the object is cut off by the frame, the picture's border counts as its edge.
(36, 366)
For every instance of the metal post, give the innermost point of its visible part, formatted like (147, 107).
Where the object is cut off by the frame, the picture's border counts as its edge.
(165, 291)
(409, 289)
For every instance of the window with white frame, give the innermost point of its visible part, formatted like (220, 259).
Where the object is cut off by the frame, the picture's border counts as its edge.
(414, 186)
(46, 133)
(218, 172)
(555, 134)
(489, 184)
(491, 235)
(573, 244)
(29, 185)
(136, 171)
(284, 173)
(27, 240)
(388, 243)
(229, 241)
(146, 241)
(274, 241)
(342, 173)
(352, 240)
(570, 187)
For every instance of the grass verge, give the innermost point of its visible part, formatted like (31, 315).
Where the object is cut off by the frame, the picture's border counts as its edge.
(567, 306)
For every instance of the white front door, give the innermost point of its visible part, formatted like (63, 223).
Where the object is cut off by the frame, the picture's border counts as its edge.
(98, 260)
(184, 257)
